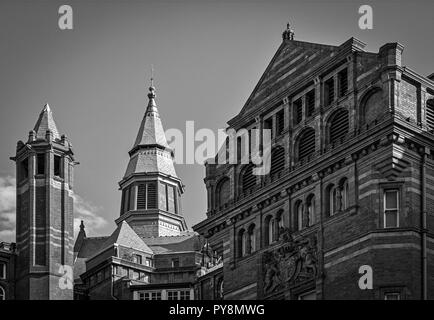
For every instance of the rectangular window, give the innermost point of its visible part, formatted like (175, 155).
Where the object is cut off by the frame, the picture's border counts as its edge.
(137, 258)
(175, 263)
(40, 162)
(184, 295)
(150, 295)
(268, 124)
(58, 166)
(148, 262)
(24, 169)
(329, 91)
(2, 270)
(152, 196)
(298, 111)
(280, 122)
(343, 82)
(392, 296)
(391, 208)
(310, 103)
(172, 295)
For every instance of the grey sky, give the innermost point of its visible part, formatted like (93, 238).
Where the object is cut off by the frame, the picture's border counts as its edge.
(207, 56)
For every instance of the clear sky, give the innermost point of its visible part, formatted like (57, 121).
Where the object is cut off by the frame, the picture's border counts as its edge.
(207, 55)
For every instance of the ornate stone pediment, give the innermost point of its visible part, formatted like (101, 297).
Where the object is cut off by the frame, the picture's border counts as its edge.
(291, 263)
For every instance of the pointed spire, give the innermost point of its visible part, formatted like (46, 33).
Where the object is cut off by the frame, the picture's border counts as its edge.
(46, 123)
(288, 34)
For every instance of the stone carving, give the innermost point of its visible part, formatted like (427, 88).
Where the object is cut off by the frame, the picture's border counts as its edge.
(292, 262)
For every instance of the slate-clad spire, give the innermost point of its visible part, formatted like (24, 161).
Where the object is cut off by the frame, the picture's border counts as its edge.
(46, 122)
(151, 131)
(151, 153)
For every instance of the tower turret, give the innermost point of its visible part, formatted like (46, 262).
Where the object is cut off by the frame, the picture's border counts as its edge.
(151, 189)
(44, 231)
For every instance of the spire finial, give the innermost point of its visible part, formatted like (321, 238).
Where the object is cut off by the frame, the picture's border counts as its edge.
(82, 226)
(288, 34)
(152, 75)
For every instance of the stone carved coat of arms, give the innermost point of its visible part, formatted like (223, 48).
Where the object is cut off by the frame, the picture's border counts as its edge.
(291, 263)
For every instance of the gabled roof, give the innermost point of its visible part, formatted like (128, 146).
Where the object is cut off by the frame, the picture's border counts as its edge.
(88, 248)
(46, 122)
(125, 236)
(293, 62)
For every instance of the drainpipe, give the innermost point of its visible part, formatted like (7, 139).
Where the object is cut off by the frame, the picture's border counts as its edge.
(423, 231)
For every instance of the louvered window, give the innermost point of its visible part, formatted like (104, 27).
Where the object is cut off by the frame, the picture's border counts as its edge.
(306, 144)
(277, 160)
(343, 82)
(152, 196)
(298, 111)
(329, 91)
(280, 122)
(248, 179)
(141, 196)
(310, 103)
(339, 126)
(146, 196)
(430, 114)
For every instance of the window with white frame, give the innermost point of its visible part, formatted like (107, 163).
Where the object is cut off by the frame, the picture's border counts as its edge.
(391, 208)
(392, 296)
(150, 295)
(178, 295)
(2, 270)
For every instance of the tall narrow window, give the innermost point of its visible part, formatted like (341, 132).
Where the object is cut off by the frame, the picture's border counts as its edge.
(24, 169)
(2, 270)
(343, 82)
(248, 179)
(306, 144)
(311, 210)
(40, 162)
(344, 194)
(242, 243)
(297, 111)
(152, 195)
(299, 214)
(271, 229)
(268, 124)
(58, 166)
(252, 239)
(430, 114)
(141, 196)
(329, 91)
(339, 126)
(280, 122)
(310, 103)
(391, 208)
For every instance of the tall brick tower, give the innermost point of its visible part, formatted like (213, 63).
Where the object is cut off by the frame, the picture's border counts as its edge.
(44, 231)
(151, 189)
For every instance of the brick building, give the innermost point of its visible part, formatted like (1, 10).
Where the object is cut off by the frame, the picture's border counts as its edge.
(151, 255)
(351, 181)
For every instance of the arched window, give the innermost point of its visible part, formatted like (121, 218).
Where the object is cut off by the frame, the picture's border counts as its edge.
(430, 114)
(332, 203)
(306, 144)
(252, 239)
(299, 214)
(2, 294)
(310, 206)
(248, 179)
(343, 186)
(372, 105)
(277, 160)
(269, 230)
(338, 125)
(223, 192)
(242, 240)
(279, 223)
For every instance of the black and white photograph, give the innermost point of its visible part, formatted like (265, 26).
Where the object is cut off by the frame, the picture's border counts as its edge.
(205, 151)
